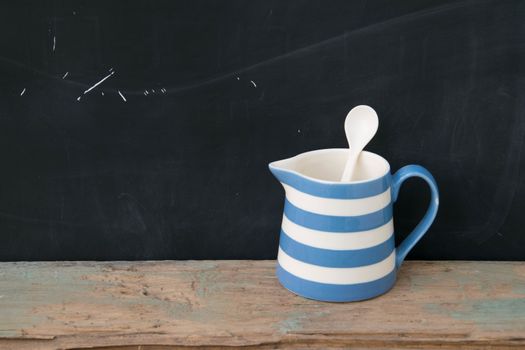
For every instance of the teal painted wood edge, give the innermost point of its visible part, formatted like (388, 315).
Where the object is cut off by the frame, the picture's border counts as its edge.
(422, 227)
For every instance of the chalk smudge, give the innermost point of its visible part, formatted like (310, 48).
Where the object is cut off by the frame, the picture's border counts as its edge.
(23, 91)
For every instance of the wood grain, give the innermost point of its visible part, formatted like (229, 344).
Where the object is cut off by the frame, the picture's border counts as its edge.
(221, 304)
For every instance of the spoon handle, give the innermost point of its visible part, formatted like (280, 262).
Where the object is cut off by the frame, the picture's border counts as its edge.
(350, 166)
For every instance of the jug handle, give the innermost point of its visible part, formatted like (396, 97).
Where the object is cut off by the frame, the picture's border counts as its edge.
(397, 180)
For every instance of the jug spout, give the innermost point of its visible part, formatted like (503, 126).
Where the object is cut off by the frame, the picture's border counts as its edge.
(282, 169)
(320, 166)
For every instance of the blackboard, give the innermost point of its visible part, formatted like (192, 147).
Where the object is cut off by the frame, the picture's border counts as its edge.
(167, 157)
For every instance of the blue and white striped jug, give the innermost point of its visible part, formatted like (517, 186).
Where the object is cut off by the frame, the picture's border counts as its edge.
(337, 239)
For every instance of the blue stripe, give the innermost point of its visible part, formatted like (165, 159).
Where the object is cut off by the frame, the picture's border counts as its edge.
(336, 258)
(333, 190)
(335, 292)
(337, 223)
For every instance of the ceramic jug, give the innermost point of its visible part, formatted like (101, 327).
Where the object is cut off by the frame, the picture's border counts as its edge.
(337, 239)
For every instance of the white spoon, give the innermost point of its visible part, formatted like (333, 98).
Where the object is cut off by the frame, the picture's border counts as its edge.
(360, 126)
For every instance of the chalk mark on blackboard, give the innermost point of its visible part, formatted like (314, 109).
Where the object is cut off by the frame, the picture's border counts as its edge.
(37, 71)
(36, 220)
(98, 83)
(122, 96)
(65, 75)
(54, 42)
(133, 199)
(253, 83)
(345, 36)
(78, 98)
(508, 182)
(23, 91)
(102, 93)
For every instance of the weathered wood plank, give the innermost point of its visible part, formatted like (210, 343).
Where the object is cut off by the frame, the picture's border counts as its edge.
(217, 304)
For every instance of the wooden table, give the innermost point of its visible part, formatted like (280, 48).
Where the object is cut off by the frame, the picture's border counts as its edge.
(221, 304)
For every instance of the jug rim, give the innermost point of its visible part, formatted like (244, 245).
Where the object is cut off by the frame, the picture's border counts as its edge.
(272, 165)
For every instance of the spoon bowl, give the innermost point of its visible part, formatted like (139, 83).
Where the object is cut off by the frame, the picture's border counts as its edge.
(361, 125)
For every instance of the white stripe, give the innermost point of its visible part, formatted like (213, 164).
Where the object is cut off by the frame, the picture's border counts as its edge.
(336, 275)
(337, 207)
(339, 240)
